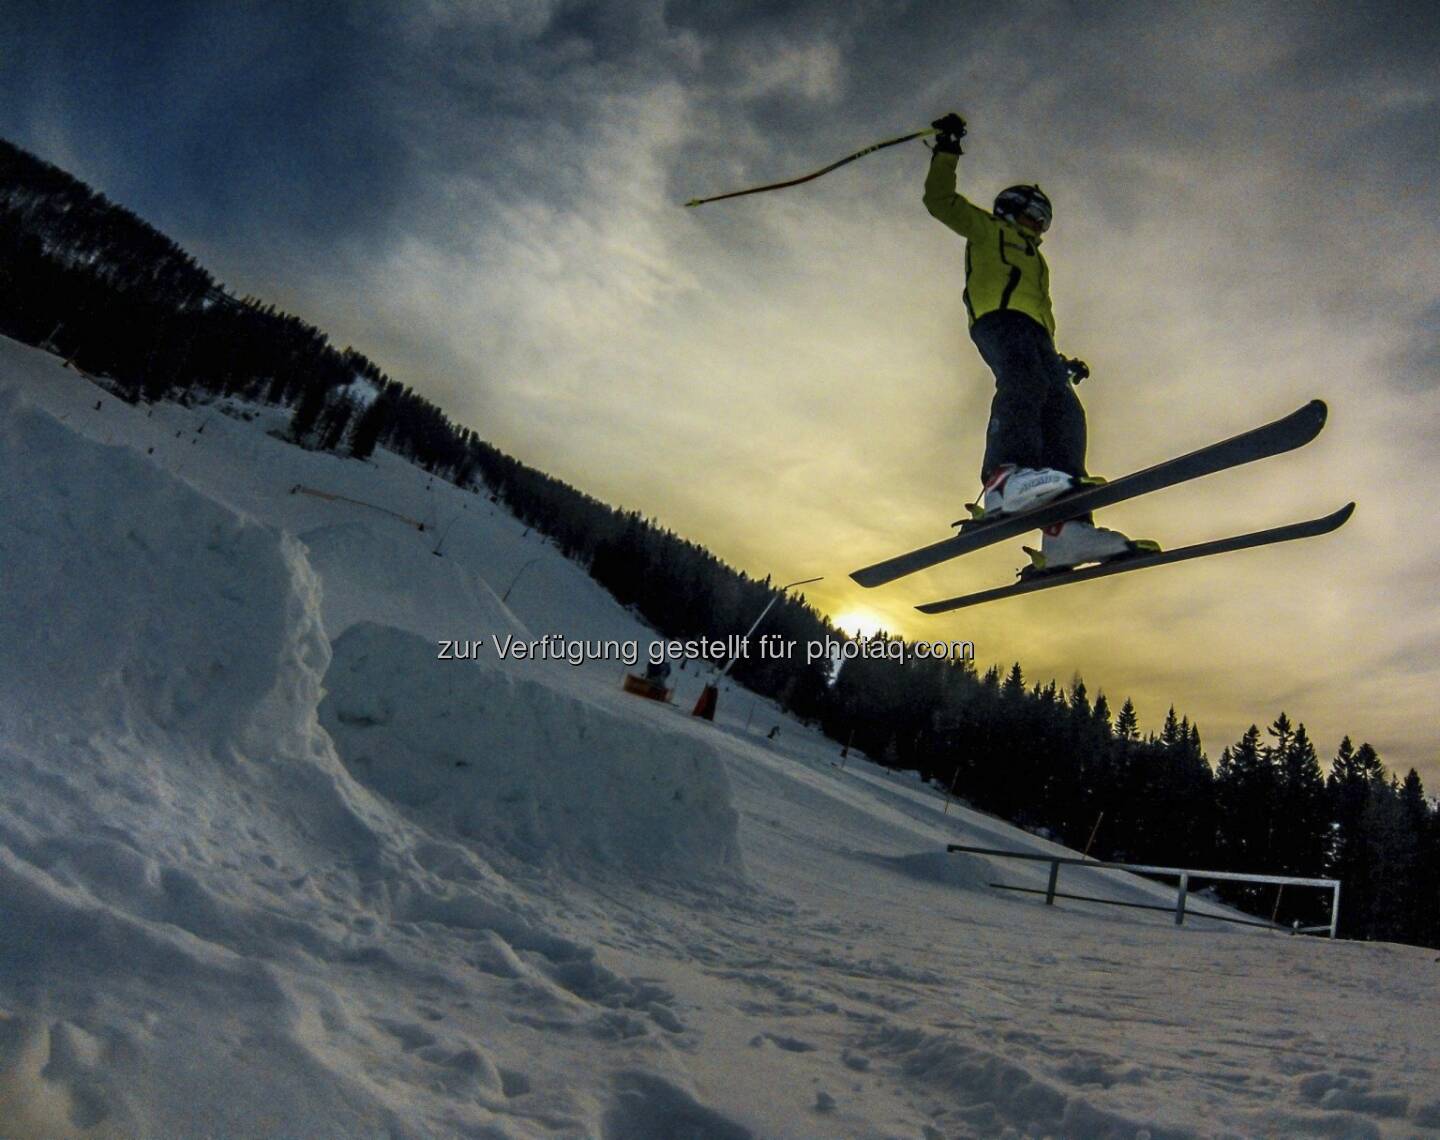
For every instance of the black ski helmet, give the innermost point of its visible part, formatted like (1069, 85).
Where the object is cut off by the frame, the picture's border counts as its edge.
(1029, 201)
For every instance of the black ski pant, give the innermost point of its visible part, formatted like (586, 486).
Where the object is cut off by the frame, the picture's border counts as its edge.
(1035, 419)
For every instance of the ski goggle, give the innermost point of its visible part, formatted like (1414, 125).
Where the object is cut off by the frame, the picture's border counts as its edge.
(1029, 204)
(1038, 214)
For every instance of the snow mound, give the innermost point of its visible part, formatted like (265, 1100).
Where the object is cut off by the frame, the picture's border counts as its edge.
(133, 601)
(166, 780)
(969, 872)
(500, 757)
(648, 1107)
(207, 926)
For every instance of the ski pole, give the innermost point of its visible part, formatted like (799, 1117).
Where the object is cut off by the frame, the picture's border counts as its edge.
(818, 173)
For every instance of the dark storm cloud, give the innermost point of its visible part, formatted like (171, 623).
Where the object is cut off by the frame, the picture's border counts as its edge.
(323, 116)
(229, 120)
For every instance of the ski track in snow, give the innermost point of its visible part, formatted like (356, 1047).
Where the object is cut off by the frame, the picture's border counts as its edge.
(268, 868)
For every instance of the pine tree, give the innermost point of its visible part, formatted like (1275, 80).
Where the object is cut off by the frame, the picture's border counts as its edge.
(1127, 727)
(1102, 714)
(1418, 875)
(1302, 827)
(373, 423)
(1355, 776)
(1394, 848)
(1014, 686)
(1170, 731)
(1245, 796)
(333, 422)
(1427, 888)
(307, 415)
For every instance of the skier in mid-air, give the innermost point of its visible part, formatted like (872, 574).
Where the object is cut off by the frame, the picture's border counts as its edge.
(1035, 440)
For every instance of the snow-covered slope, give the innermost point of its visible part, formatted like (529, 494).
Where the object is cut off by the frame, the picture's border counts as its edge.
(268, 867)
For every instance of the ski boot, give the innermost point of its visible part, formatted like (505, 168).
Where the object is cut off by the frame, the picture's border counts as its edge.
(1067, 545)
(1011, 490)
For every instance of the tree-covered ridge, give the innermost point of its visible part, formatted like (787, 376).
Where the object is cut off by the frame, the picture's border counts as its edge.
(93, 282)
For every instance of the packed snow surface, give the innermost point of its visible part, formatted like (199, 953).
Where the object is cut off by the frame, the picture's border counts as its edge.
(269, 866)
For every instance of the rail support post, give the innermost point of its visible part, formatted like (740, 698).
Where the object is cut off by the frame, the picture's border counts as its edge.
(1054, 878)
(1180, 900)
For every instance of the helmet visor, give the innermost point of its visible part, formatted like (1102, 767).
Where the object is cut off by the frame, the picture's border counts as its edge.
(1037, 213)
(1025, 202)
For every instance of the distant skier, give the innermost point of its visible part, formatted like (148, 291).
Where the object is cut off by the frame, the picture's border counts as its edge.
(1035, 441)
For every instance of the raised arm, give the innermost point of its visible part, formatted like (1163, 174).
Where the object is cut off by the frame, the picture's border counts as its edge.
(950, 207)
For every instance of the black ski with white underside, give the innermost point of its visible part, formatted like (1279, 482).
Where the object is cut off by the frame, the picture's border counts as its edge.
(1295, 430)
(1045, 580)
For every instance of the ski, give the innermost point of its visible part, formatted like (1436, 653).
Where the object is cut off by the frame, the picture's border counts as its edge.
(1294, 430)
(1045, 580)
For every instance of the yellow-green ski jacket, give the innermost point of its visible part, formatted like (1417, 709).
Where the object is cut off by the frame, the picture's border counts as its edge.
(1003, 265)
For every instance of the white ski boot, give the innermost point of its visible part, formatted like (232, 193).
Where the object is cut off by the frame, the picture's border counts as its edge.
(1010, 490)
(1068, 544)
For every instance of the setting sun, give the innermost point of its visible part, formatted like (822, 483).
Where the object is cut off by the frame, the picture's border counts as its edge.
(859, 623)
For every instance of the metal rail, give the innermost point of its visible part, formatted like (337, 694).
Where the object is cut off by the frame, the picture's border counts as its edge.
(1184, 874)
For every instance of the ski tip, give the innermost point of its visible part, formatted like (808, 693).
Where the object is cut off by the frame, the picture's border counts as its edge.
(1299, 427)
(1333, 521)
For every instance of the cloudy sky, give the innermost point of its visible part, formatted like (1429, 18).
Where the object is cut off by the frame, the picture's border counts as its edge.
(484, 196)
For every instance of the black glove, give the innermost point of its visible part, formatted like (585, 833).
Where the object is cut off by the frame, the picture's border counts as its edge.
(1076, 368)
(952, 130)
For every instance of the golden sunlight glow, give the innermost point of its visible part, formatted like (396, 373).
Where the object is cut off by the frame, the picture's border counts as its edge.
(859, 623)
